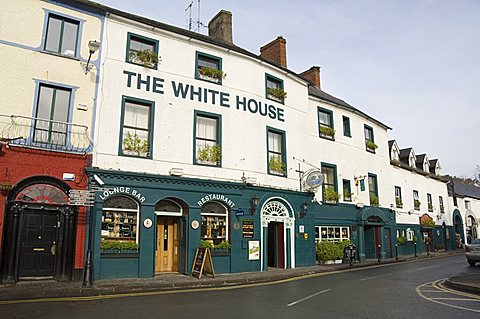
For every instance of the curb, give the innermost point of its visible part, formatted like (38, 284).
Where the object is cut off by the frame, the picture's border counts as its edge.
(462, 287)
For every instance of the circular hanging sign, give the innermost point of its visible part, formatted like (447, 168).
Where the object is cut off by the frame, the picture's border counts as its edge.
(147, 223)
(195, 224)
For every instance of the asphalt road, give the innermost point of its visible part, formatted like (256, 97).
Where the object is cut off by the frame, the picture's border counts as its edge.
(401, 290)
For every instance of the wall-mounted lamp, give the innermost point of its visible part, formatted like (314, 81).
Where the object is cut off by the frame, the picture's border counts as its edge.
(304, 210)
(93, 47)
(253, 204)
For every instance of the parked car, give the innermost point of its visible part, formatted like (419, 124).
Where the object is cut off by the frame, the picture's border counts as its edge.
(472, 252)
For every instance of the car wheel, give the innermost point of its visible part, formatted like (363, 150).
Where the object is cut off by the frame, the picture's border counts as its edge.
(471, 262)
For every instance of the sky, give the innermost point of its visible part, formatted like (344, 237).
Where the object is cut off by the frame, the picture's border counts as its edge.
(414, 65)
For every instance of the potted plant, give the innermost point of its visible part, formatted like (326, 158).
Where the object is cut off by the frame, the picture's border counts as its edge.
(206, 243)
(347, 195)
(402, 240)
(210, 154)
(330, 195)
(428, 223)
(134, 144)
(277, 93)
(222, 248)
(416, 204)
(210, 74)
(430, 207)
(118, 247)
(326, 131)
(373, 200)
(371, 145)
(399, 202)
(276, 165)
(146, 57)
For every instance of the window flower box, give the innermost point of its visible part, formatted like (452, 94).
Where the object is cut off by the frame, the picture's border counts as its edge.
(416, 204)
(399, 202)
(371, 146)
(276, 94)
(146, 57)
(209, 155)
(373, 200)
(327, 132)
(330, 196)
(276, 165)
(211, 74)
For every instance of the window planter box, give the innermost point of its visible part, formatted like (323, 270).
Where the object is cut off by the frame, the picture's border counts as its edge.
(113, 253)
(220, 252)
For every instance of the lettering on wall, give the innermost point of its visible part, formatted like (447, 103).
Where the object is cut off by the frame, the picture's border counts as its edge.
(217, 197)
(190, 92)
(122, 190)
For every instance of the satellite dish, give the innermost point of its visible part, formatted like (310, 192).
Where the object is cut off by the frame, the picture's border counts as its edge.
(312, 179)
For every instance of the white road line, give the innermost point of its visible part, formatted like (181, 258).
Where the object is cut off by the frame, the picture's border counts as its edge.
(457, 299)
(427, 267)
(308, 297)
(375, 277)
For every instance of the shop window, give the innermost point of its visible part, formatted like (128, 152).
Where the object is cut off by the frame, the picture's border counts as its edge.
(142, 51)
(50, 123)
(214, 223)
(347, 191)
(346, 126)
(208, 149)
(137, 126)
(369, 139)
(277, 160)
(274, 89)
(373, 189)
(62, 35)
(120, 218)
(325, 124)
(332, 233)
(398, 197)
(209, 68)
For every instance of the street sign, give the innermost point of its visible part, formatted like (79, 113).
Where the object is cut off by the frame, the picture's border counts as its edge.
(80, 197)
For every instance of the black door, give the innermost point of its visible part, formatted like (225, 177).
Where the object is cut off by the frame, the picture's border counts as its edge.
(38, 243)
(182, 262)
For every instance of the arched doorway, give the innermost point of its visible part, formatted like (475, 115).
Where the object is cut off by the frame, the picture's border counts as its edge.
(471, 228)
(40, 230)
(458, 228)
(171, 244)
(277, 234)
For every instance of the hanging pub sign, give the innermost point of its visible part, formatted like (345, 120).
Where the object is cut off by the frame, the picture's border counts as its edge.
(247, 228)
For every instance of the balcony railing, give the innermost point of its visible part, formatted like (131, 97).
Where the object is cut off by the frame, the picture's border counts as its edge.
(44, 134)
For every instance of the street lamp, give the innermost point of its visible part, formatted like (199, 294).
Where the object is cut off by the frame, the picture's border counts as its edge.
(93, 47)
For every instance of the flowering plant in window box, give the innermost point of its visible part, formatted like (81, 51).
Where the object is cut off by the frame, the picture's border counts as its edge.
(146, 57)
(347, 195)
(430, 207)
(330, 195)
(402, 240)
(118, 247)
(399, 202)
(371, 145)
(132, 143)
(416, 204)
(209, 154)
(277, 93)
(211, 74)
(373, 200)
(276, 165)
(326, 131)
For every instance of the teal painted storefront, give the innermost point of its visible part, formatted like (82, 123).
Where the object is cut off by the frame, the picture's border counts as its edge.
(296, 247)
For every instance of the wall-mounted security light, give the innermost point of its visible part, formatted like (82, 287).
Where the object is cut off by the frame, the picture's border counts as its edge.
(93, 47)
(98, 180)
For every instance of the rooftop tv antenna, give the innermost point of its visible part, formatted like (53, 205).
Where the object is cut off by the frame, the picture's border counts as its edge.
(189, 9)
(190, 20)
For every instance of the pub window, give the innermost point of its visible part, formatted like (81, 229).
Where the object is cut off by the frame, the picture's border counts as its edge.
(137, 126)
(209, 68)
(373, 189)
(332, 233)
(398, 197)
(369, 139)
(325, 124)
(277, 159)
(207, 139)
(274, 89)
(214, 227)
(347, 192)
(346, 126)
(62, 35)
(429, 202)
(120, 218)
(142, 51)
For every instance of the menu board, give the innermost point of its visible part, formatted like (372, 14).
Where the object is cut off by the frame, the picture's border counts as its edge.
(247, 228)
(202, 263)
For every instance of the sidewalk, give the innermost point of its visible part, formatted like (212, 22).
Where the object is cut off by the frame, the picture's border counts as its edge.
(166, 282)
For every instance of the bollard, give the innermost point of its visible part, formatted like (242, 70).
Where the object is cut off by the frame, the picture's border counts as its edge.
(415, 247)
(379, 247)
(428, 249)
(396, 251)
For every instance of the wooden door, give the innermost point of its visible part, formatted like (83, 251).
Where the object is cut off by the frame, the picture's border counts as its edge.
(167, 245)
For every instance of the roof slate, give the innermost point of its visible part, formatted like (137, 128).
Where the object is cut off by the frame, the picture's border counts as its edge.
(466, 190)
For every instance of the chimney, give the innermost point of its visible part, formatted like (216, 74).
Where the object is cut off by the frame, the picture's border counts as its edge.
(220, 27)
(312, 75)
(275, 51)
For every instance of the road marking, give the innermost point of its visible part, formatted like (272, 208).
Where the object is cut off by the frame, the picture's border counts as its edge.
(458, 299)
(374, 277)
(308, 297)
(427, 267)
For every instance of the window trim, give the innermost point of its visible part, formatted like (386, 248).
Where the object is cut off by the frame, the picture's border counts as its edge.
(400, 196)
(368, 127)
(67, 17)
(146, 39)
(218, 118)
(335, 178)
(346, 182)
(415, 193)
(318, 229)
(347, 133)
(284, 150)
(332, 125)
(198, 55)
(375, 191)
(274, 78)
(151, 105)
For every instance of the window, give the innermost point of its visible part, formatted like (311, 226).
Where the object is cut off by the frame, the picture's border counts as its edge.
(207, 139)
(347, 191)
(142, 51)
(398, 197)
(467, 204)
(214, 223)
(329, 186)
(416, 200)
(429, 202)
(62, 35)
(50, 125)
(332, 233)
(274, 89)
(401, 233)
(369, 140)
(373, 189)
(276, 152)
(120, 220)
(325, 124)
(440, 202)
(208, 68)
(137, 126)
(346, 126)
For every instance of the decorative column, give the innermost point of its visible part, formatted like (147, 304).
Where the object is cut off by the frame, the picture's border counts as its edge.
(10, 270)
(361, 242)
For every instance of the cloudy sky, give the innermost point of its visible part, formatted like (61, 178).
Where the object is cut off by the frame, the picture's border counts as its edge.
(412, 64)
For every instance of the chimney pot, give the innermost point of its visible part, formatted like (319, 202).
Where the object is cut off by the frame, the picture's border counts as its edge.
(220, 27)
(275, 51)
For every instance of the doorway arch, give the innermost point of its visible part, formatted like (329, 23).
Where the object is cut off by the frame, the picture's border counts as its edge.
(459, 229)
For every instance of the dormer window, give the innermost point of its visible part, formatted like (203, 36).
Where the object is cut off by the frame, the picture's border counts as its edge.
(411, 160)
(395, 155)
(425, 166)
